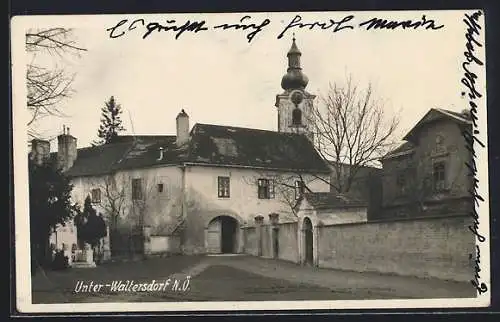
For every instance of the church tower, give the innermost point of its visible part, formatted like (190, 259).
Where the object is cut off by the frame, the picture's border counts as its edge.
(295, 104)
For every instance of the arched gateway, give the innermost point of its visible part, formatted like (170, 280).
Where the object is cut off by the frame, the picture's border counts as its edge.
(222, 235)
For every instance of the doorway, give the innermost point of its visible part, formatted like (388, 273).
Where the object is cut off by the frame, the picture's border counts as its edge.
(228, 234)
(222, 233)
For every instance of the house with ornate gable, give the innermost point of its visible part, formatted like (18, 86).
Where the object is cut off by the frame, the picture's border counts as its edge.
(195, 191)
(427, 175)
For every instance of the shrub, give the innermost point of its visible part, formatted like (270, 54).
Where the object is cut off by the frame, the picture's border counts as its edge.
(60, 261)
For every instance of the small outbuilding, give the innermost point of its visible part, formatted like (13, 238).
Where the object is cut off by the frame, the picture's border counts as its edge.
(315, 210)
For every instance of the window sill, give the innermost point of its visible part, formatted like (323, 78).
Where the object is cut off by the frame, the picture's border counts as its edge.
(437, 155)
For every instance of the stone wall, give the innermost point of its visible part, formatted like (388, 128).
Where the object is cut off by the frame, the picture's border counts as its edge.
(288, 242)
(250, 240)
(438, 247)
(431, 247)
(164, 244)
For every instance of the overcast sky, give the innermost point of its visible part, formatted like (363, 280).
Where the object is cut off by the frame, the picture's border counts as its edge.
(219, 77)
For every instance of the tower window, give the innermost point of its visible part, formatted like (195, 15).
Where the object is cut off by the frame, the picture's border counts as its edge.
(296, 117)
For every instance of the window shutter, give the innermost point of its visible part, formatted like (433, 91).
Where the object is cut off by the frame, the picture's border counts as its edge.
(271, 189)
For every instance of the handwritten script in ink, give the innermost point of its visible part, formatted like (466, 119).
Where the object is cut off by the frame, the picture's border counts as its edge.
(124, 26)
(472, 94)
(251, 26)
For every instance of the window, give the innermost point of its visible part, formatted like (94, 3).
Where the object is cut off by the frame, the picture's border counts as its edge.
(401, 183)
(136, 189)
(296, 117)
(265, 188)
(223, 187)
(299, 188)
(160, 188)
(438, 176)
(96, 195)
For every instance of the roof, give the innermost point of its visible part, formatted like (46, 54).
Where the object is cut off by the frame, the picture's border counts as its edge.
(329, 200)
(225, 145)
(438, 114)
(213, 145)
(363, 170)
(433, 115)
(404, 149)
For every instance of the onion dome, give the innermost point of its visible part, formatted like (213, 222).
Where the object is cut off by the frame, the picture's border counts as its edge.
(294, 78)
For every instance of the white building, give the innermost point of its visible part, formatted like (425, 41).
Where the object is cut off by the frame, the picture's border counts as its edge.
(195, 191)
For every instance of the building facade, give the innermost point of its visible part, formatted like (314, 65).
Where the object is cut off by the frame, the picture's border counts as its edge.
(194, 192)
(428, 174)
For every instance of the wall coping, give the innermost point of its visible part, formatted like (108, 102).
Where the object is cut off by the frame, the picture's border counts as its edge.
(405, 203)
(395, 220)
(252, 225)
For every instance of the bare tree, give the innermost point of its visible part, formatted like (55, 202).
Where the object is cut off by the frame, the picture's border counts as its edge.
(114, 201)
(352, 130)
(129, 204)
(48, 86)
(142, 202)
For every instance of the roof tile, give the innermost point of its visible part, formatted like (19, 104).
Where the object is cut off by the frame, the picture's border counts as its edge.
(209, 145)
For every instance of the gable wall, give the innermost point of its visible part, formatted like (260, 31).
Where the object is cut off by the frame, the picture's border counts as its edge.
(418, 169)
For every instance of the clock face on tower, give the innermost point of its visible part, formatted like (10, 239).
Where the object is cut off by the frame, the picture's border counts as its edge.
(297, 97)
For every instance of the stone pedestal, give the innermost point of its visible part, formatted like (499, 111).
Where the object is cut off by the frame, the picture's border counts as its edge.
(106, 245)
(88, 258)
(146, 233)
(67, 253)
(274, 219)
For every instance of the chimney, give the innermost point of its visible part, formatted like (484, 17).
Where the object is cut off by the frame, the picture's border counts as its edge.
(66, 150)
(182, 121)
(40, 151)
(466, 113)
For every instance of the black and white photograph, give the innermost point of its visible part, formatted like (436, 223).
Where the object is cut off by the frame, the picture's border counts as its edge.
(250, 161)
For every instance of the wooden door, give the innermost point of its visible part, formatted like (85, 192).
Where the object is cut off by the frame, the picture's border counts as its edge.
(214, 237)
